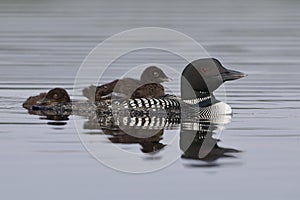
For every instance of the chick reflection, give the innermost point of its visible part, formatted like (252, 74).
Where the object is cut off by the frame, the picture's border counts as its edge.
(149, 145)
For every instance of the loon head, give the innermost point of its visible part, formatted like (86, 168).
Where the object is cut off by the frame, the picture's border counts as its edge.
(55, 96)
(202, 77)
(153, 74)
(104, 89)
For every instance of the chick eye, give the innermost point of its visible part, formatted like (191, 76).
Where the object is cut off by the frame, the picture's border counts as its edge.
(155, 74)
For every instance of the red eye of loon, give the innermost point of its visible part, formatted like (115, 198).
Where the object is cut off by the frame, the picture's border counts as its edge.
(204, 70)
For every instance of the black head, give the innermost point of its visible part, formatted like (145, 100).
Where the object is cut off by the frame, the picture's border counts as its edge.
(56, 95)
(153, 74)
(203, 76)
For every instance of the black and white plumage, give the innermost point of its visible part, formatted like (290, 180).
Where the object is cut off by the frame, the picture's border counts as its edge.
(168, 106)
(152, 103)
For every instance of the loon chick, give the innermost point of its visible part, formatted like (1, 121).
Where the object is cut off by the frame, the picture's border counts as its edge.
(57, 102)
(51, 98)
(49, 104)
(147, 87)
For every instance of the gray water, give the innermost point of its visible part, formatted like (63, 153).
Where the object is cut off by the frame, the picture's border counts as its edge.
(43, 43)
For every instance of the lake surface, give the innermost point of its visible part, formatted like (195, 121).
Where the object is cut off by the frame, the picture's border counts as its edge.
(43, 43)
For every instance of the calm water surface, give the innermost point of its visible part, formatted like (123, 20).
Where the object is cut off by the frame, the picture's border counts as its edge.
(43, 43)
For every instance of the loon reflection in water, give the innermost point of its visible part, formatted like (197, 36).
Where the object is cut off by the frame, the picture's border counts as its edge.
(198, 114)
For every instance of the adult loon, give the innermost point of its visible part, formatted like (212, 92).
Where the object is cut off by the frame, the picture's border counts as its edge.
(147, 87)
(199, 80)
